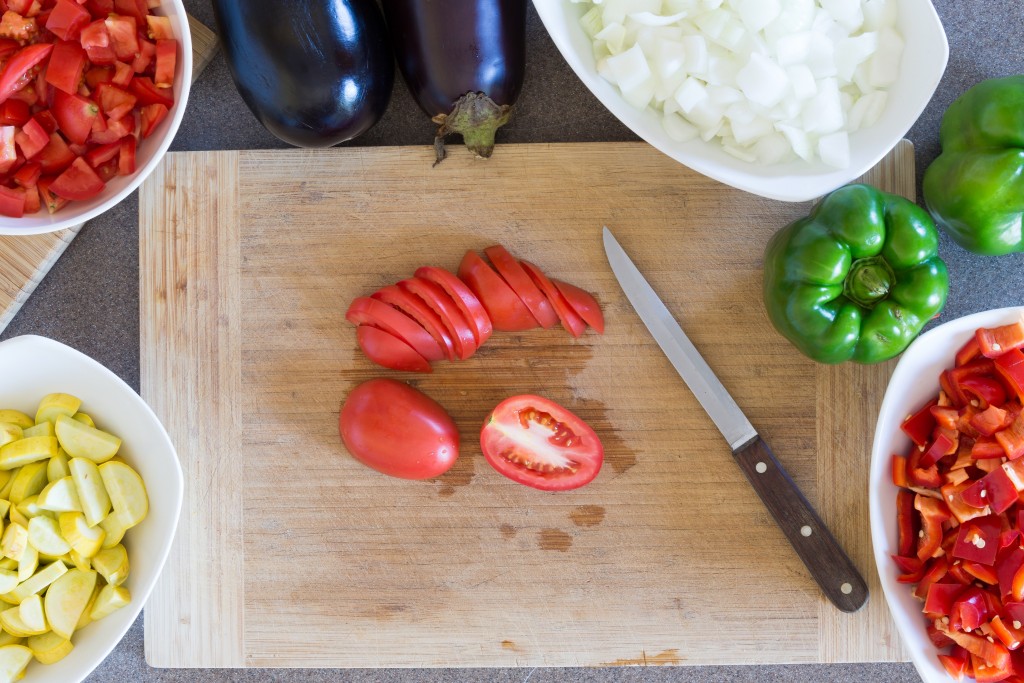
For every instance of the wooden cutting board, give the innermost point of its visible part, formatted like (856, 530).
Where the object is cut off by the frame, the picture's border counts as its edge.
(25, 261)
(290, 553)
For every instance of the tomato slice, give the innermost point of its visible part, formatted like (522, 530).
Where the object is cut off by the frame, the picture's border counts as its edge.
(571, 320)
(66, 67)
(463, 297)
(126, 157)
(75, 116)
(16, 73)
(536, 442)
(166, 57)
(367, 311)
(387, 350)
(584, 304)
(152, 115)
(458, 327)
(114, 101)
(79, 182)
(67, 19)
(506, 310)
(415, 308)
(510, 270)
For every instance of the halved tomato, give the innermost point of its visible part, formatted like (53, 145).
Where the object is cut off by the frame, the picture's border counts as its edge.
(387, 350)
(522, 285)
(458, 327)
(367, 311)
(583, 303)
(463, 297)
(506, 310)
(571, 320)
(536, 442)
(413, 306)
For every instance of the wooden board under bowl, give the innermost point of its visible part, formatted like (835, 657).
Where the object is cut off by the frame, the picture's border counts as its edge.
(290, 553)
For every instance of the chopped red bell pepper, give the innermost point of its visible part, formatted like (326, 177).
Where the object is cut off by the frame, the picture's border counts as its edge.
(970, 610)
(945, 416)
(920, 425)
(995, 489)
(978, 540)
(1010, 636)
(993, 654)
(983, 573)
(933, 514)
(991, 420)
(996, 341)
(912, 568)
(986, 448)
(952, 495)
(956, 663)
(926, 477)
(1012, 438)
(899, 471)
(983, 389)
(1010, 369)
(944, 445)
(969, 351)
(935, 569)
(941, 596)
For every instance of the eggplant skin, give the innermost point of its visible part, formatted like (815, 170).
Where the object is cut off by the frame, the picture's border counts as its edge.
(314, 72)
(447, 48)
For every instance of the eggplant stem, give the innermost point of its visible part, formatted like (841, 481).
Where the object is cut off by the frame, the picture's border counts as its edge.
(477, 118)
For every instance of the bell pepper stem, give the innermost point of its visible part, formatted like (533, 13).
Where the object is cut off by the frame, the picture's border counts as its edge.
(869, 281)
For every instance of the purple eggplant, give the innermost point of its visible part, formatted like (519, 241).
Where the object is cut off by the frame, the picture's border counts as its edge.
(463, 61)
(314, 72)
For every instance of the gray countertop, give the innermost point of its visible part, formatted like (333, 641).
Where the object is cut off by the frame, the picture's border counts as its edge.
(90, 300)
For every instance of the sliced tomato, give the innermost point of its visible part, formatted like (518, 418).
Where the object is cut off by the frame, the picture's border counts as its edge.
(115, 102)
(144, 57)
(367, 311)
(79, 182)
(123, 36)
(96, 41)
(536, 442)
(147, 93)
(506, 310)
(387, 350)
(66, 68)
(584, 304)
(67, 19)
(12, 202)
(510, 271)
(415, 308)
(75, 116)
(14, 113)
(151, 116)
(463, 297)
(166, 58)
(97, 156)
(123, 74)
(126, 157)
(455, 323)
(571, 320)
(17, 72)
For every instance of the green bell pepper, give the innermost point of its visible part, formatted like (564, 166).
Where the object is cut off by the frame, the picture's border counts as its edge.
(975, 188)
(857, 279)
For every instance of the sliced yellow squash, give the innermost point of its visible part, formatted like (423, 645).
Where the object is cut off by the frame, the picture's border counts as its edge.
(82, 441)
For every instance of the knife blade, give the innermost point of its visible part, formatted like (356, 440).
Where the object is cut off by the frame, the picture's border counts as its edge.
(825, 559)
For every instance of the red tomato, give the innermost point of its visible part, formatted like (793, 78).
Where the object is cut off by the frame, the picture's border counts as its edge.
(463, 297)
(415, 308)
(456, 324)
(536, 442)
(522, 285)
(14, 113)
(506, 310)
(75, 116)
(571, 320)
(583, 303)
(166, 57)
(387, 350)
(396, 430)
(16, 73)
(114, 101)
(79, 181)
(12, 202)
(152, 115)
(67, 19)
(367, 311)
(66, 67)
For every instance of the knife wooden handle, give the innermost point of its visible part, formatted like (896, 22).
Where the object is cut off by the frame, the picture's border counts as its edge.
(819, 550)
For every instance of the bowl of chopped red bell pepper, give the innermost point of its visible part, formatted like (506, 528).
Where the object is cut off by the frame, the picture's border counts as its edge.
(947, 498)
(91, 95)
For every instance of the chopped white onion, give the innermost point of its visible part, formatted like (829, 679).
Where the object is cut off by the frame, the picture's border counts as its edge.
(772, 80)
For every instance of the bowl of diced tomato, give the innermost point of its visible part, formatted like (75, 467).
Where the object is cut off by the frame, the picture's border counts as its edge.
(91, 95)
(947, 498)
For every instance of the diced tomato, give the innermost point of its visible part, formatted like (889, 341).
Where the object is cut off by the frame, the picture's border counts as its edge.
(78, 182)
(996, 341)
(159, 27)
(123, 36)
(115, 102)
(96, 41)
(126, 156)
(22, 7)
(12, 202)
(75, 116)
(67, 19)
(107, 171)
(99, 8)
(148, 93)
(978, 540)
(152, 115)
(14, 113)
(45, 119)
(32, 202)
(123, 74)
(933, 514)
(16, 72)
(16, 27)
(99, 74)
(137, 9)
(52, 202)
(1010, 369)
(56, 156)
(102, 154)
(920, 425)
(28, 175)
(8, 149)
(144, 57)
(66, 68)
(32, 139)
(115, 130)
(166, 58)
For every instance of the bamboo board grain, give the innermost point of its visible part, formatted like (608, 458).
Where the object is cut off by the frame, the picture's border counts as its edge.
(25, 261)
(290, 553)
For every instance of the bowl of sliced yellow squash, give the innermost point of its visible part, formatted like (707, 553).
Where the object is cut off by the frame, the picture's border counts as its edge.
(83, 538)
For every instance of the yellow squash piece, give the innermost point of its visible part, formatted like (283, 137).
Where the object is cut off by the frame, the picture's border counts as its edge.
(16, 417)
(110, 599)
(31, 612)
(10, 432)
(49, 648)
(84, 419)
(14, 542)
(8, 580)
(80, 562)
(28, 482)
(82, 441)
(92, 493)
(67, 598)
(40, 580)
(5, 491)
(27, 450)
(114, 528)
(12, 622)
(44, 535)
(112, 564)
(53, 405)
(60, 496)
(8, 564)
(58, 466)
(29, 508)
(44, 429)
(7, 639)
(127, 492)
(13, 660)
(83, 539)
(27, 565)
(5, 505)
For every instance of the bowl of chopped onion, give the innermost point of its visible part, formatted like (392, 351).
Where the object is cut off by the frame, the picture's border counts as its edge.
(787, 99)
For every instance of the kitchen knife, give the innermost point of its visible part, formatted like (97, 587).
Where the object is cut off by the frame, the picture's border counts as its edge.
(825, 559)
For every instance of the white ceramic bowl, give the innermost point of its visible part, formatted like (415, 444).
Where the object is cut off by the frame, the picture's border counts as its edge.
(913, 383)
(149, 153)
(924, 61)
(35, 366)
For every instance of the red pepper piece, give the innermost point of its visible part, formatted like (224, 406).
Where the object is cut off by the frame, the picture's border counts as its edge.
(981, 572)
(983, 389)
(996, 341)
(941, 640)
(912, 568)
(1012, 438)
(991, 420)
(1010, 636)
(927, 477)
(1010, 369)
(987, 673)
(968, 352)
(970, 610)
(985, 448)
(899, 471)
(906, 519)
(933, 514)
(952, 495)
(956, 663)
(951, 392)
(943, 445)
(1007, 564)
(934, 571)
(945, 416)
(920, 425)
(978, 540)
(941, 597)
(995, 489)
